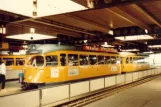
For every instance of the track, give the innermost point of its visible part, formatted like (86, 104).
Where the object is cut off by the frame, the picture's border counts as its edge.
(97, 95)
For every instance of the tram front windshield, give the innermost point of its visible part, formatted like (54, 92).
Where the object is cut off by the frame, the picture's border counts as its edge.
(37, 61)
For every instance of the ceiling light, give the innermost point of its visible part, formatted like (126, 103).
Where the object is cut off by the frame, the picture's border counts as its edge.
(149, 52)
(106, 45)
(154, 46)
(41, 8)
(130, 50)
(135, 37)
(85, 41)
(32, 30)
(30, 36)
(146, 31)
(53, 7)
(110, 32)
(23, 7)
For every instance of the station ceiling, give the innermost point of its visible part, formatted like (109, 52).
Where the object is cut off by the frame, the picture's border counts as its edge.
(125, 18)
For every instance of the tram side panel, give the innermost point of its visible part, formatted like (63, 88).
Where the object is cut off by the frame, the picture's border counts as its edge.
(14, 65)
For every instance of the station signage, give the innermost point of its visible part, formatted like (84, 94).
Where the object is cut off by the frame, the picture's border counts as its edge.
(99, 49)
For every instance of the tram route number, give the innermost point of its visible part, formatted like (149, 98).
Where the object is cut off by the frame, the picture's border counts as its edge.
(54, 72)
(113, 68)
(73, 72)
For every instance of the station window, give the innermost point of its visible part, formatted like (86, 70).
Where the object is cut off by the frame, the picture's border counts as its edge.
(72, 60)
(127, 60)
(20, 61)
(83, 59)
(9, 61)
(63, 59)
(51, 60)
(100, 60)
(92, 59)
(107, 60)
(113, 60)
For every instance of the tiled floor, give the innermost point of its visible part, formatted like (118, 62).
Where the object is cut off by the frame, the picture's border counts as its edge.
(11, 88)
(144, 95)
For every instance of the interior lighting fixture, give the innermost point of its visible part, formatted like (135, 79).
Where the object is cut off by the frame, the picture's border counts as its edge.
(154, 46)
(3, 30)
(23, 7)
(135, 37)
(85, 41)
(28, 36)
(53, 7)
(106, 45)
(110, 32)
(32, 30)
(146, 31)
(150, 52)
(43, 7)
(130, 50)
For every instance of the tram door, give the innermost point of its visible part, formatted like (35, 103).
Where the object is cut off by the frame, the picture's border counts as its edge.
(73, 67)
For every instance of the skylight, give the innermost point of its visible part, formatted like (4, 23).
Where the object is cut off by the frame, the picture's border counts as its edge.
(30, 36)
(42, 7)
(137, 37)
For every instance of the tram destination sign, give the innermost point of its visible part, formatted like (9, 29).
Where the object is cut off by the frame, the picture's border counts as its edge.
(99, 49)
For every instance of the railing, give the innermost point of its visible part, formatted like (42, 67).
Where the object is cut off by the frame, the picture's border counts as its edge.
(51, 96)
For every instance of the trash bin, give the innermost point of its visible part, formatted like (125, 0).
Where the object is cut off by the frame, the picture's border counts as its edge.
(21, 75)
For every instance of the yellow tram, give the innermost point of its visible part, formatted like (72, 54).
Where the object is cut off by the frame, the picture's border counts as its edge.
(14, 65)
(66, 65)
(61, 66)
(134, 63)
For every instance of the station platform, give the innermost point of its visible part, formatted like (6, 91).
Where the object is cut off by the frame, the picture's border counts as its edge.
(144, 95)
(11, 88)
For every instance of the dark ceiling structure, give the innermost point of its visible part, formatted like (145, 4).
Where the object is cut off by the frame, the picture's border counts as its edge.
(123, 17)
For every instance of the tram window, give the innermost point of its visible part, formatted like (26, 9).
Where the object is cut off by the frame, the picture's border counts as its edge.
(113, 60)
(20, 61)
(100, 60)
(9, 61)
(83, 59)
(118, 60)
(72, 60)
(92, 59)
(134, 60)
(63, 59)
(107, 60)
(51, 60)
(127, 60)
(131, 60)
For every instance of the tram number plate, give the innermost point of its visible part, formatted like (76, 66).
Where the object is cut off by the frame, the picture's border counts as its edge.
(113, 68)
(73, 72)
(54, 73)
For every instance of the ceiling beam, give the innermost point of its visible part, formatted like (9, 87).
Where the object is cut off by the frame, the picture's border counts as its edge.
(104, 28)
(126, 16)
(146, 13)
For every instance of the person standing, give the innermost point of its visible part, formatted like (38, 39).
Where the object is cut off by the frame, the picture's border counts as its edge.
(2, 73)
